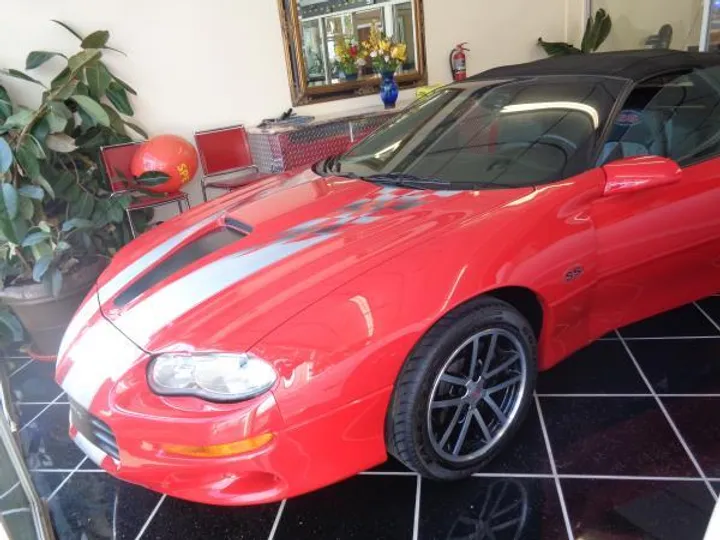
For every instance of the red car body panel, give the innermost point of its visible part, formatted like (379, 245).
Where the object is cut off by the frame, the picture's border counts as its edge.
(363, 272)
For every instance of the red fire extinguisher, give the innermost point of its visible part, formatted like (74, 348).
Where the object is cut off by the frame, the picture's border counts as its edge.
(458, 64)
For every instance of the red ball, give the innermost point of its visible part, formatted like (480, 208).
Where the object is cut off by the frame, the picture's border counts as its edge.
(169, 154)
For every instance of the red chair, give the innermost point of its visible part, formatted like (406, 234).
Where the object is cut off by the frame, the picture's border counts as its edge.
(225, 159)
(116, 163)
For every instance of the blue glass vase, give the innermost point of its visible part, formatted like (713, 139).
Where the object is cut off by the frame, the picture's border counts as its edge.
(389, 89)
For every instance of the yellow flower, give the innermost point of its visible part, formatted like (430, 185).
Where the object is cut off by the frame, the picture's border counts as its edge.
(399, 51)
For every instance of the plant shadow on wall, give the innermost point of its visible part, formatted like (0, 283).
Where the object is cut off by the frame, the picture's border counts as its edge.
(597, 30)
(58, 216)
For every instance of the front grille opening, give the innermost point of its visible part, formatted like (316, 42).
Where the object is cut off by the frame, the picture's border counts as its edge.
(194, 251)
(94, 430)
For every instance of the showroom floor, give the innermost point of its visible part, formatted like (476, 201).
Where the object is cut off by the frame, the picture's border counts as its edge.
(623, 443)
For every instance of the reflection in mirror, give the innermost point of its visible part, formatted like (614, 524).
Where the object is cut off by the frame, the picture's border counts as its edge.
(327, 44)
(331, 27)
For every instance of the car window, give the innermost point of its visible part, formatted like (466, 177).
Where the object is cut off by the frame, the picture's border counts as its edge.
(674, 116)
(495, 133)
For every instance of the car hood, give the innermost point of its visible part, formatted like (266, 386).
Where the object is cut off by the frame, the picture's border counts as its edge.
(288, 241)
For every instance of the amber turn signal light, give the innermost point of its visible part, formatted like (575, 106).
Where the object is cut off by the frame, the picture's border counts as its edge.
(220, 450)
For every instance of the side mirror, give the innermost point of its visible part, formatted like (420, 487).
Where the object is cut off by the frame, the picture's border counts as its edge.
(640, 173)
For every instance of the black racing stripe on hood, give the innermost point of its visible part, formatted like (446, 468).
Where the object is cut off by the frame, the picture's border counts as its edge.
(184, 256)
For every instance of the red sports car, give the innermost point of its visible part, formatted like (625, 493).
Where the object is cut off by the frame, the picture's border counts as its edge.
(401, 298)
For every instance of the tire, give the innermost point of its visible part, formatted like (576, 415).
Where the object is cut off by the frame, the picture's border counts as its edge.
(415, 430)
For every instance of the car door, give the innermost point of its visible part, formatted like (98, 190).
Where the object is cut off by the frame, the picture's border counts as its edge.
(660, 248)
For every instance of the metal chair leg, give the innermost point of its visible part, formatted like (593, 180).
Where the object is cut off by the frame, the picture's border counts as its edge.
(133, 232)
(204, 190)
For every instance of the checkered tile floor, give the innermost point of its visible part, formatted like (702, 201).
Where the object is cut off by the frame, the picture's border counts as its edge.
(623, 442)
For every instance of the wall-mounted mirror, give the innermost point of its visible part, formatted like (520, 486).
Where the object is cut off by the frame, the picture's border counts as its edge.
(313, 30)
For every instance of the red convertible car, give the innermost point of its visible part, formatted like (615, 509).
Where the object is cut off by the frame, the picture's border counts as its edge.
(401, 298)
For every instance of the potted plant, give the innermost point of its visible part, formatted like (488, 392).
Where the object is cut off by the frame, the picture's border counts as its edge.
(386, 56)
(597, 29)
(59, 222)
(348, 58)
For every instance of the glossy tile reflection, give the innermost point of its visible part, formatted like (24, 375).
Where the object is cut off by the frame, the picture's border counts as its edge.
(634, 510)
(491, 508)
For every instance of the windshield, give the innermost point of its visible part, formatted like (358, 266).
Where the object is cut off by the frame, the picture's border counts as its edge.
(488, 134)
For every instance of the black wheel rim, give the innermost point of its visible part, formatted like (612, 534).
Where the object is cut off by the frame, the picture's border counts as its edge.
(475, 397)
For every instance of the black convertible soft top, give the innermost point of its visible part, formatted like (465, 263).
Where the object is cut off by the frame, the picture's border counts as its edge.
(633, 65)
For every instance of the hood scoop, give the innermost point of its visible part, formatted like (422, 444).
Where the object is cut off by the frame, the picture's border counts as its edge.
(191, 252)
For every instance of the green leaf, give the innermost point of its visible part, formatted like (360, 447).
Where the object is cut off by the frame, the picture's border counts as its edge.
(98, 79)
(62, 183)
(137, 129)
(125, 85)
(119, 98)
(11, 322)
(96, 40)
(60, 142)
(35, 238)
(6, 108)
(6, 156)
(116, 210)
(68, 90)
(83, 59)
(76, 223)
(66, 27)
(27, 208)
(60, 109)
(45, 185)
(558, 48)
(92, 108)
(40, 130)
(84, 207)
(62, 245)
(20, 75)
(9, 201)
(20, 119)
(41, 266)
(61, 78)
(116, 123)
(152, 178)
(32, 192)
(55, 122)
(56, 281)
(27, 161)
(37, 58)
(43, 226)
(35, 146)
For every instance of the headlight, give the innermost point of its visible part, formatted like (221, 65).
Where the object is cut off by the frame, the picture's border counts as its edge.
(215, 377)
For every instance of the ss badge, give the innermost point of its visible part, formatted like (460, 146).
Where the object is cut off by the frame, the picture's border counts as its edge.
(573, 274)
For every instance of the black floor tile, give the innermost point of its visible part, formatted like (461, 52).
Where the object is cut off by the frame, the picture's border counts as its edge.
(46, 442)
(698, 420)
(98, 506)
(526, 453)
(491, 508)
(601, 368)
(711, 306)
(613, 436)
(46, 482)
(35, 383)
(184, 520)
(13, 364)
(377, 507)
(391, 465)
(716, 485)
(681, 366)
(630, 510)
(684, 321)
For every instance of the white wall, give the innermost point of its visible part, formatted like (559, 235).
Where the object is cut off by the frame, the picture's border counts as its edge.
(199, 65)
(635, 20)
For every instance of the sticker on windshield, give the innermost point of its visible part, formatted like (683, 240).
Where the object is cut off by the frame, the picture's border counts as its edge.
(628, 118)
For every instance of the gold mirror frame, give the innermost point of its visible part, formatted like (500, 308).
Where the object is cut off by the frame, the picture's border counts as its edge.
(302, 94)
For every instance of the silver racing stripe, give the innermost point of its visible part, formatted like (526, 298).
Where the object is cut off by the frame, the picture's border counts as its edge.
(133, 270)
(149, 316)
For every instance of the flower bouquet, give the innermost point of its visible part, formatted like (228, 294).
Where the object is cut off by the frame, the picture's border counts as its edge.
(349, 58)
(386, 54)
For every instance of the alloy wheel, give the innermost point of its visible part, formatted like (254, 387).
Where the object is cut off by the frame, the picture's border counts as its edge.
(476, 395)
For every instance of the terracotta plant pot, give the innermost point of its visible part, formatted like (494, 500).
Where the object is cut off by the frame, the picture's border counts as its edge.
(44, 317)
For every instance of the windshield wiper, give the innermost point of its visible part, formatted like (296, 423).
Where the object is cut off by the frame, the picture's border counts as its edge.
(406, 180)
(332, 164)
